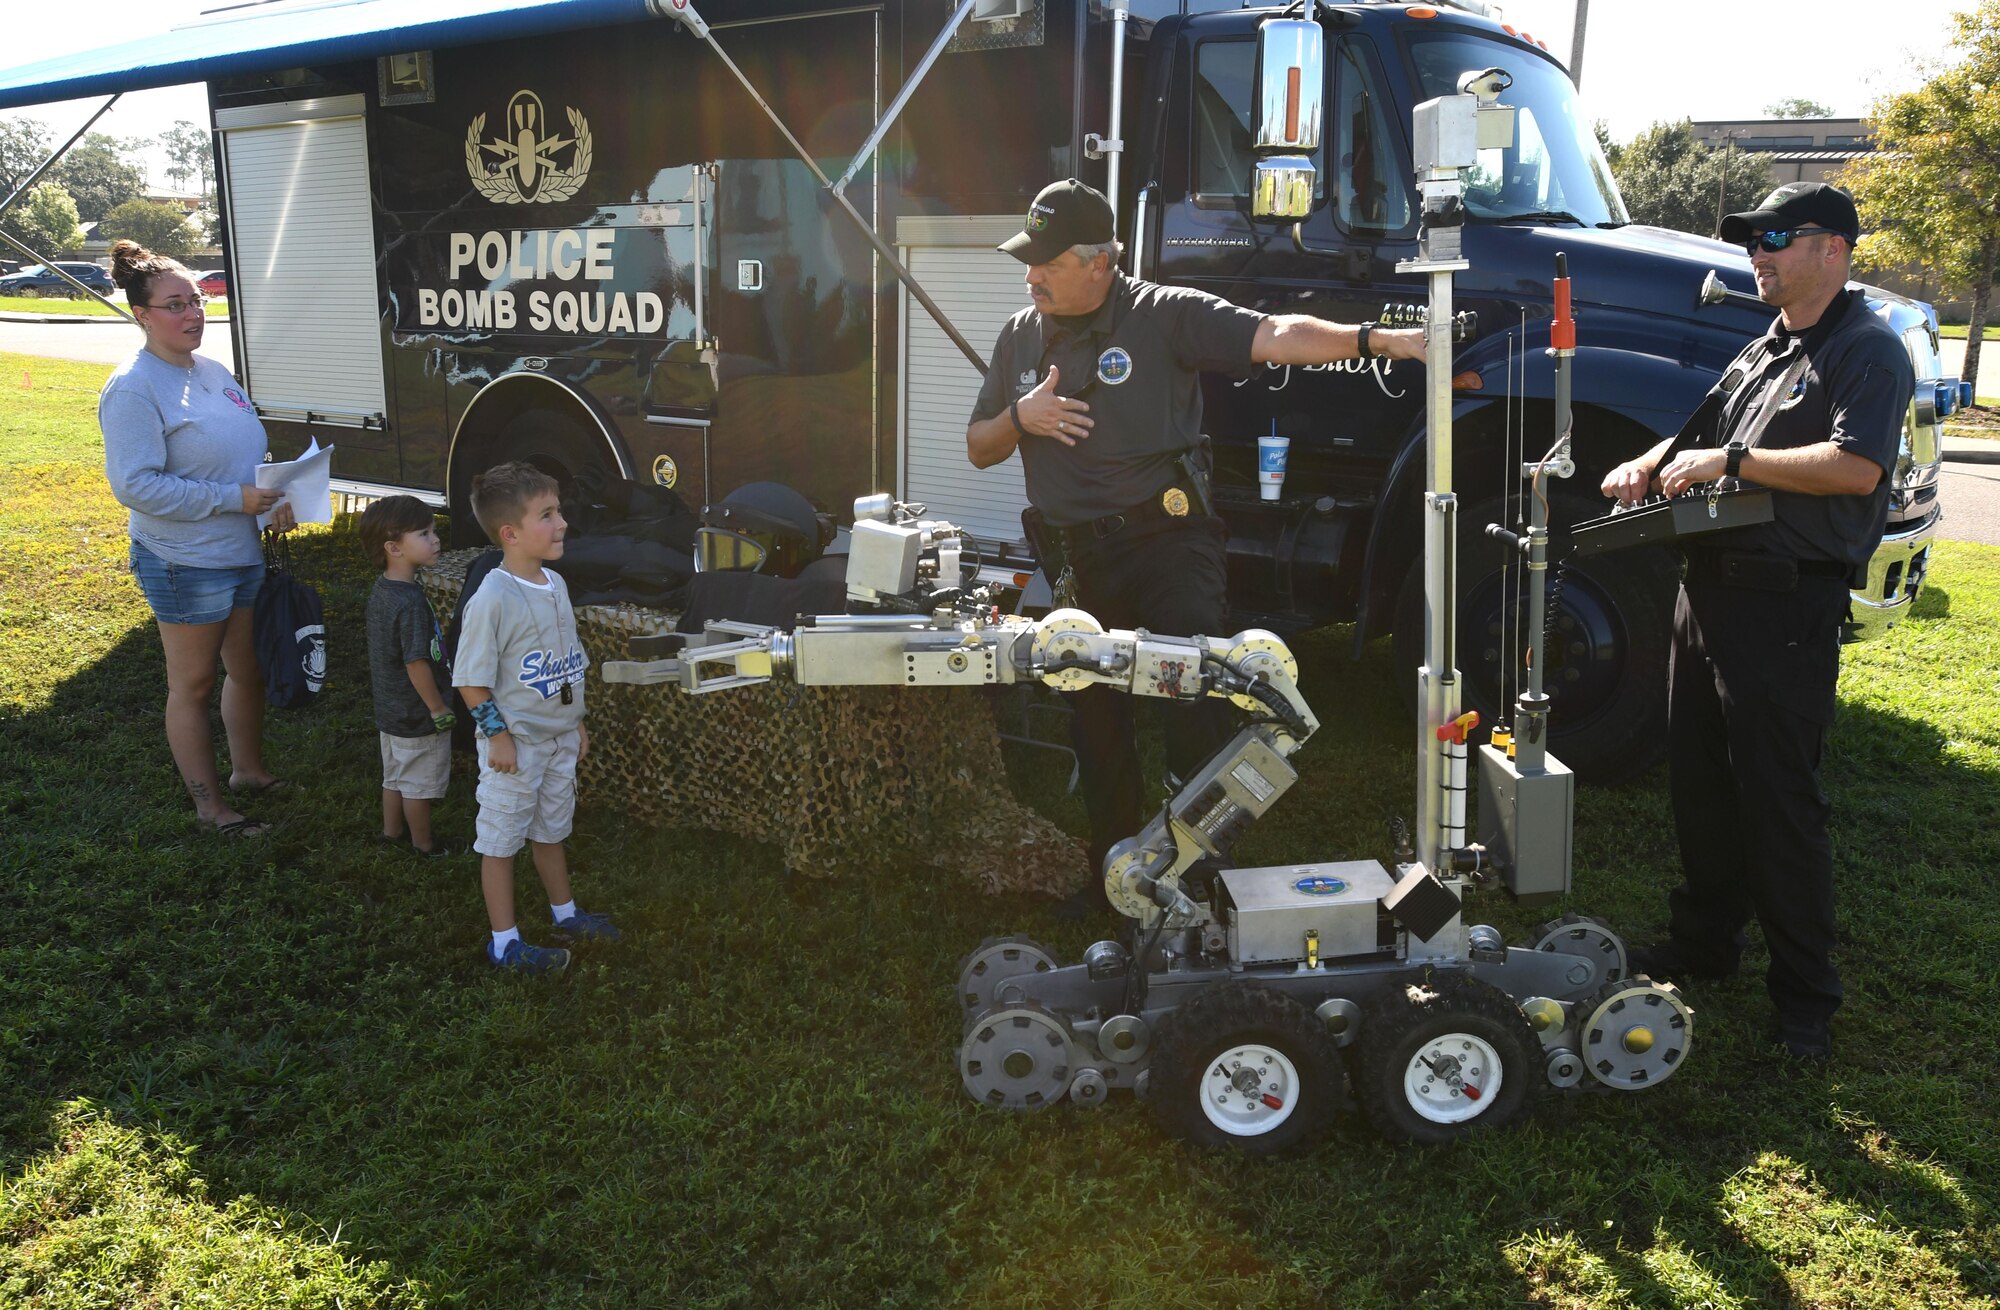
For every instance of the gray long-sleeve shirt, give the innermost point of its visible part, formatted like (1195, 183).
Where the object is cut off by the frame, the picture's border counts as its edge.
(179, 445)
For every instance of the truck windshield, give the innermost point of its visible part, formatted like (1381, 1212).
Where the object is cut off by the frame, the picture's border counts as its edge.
(1554, 170)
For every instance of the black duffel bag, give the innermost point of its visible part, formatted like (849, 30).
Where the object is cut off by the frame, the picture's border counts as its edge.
(289, 628)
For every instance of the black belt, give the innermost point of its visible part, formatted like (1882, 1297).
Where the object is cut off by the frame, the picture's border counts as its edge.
(1759, 572)
(1151, 511)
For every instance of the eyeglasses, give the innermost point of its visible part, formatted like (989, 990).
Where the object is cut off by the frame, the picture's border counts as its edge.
(182, 306)
(1776, 241)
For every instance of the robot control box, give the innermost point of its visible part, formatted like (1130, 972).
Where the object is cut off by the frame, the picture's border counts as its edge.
(1272, 911)
(1525, 820)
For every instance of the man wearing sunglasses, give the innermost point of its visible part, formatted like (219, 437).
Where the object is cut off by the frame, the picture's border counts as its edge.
(1097, 385)
(1811, 410)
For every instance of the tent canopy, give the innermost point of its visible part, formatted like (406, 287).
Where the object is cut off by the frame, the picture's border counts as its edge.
(260, 38)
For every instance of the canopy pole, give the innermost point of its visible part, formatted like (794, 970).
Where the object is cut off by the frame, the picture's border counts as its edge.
(61, 150)
(34, 177)
(683, 11)
(903, 96)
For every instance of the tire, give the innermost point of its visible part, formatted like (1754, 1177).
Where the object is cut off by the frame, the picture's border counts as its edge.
(1250, 1029)
(550, 439)
(1431, 1053)
(1606, 666)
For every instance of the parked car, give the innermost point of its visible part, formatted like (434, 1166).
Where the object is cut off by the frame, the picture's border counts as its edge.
(38, 280)
(212, 284)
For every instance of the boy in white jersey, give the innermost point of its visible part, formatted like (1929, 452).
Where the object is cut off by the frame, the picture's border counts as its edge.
(519, 668)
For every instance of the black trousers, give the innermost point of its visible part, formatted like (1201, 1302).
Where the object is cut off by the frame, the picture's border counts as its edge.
(1751, 698)
(1168, 578)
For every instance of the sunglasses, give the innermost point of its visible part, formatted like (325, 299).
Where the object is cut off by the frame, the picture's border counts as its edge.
(1776, 241)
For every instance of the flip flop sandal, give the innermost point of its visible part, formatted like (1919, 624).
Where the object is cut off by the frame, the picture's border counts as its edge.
(271, 788)
(241, 829)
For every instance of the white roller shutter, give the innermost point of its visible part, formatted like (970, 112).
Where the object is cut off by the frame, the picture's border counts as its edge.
(302, 236)
(979, 289)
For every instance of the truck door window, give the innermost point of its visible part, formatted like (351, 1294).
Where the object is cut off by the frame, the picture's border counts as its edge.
(1224, 85)
(1555, 165)
(1369, 185)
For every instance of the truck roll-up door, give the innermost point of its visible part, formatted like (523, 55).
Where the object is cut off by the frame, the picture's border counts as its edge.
(301, 236)
(979, 289)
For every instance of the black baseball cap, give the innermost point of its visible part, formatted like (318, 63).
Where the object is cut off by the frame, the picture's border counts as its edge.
(1065, 214)
(1793, 204)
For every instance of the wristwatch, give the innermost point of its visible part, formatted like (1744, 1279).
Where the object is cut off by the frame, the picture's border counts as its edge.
(1732, 465)
(1361, 346)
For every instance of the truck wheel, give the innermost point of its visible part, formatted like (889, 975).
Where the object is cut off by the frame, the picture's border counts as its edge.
(552, 440)
(1445, 1058)
(1606, 666)
(1246, 1066)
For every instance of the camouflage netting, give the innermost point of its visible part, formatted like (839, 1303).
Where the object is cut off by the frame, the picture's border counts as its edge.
(837, 777)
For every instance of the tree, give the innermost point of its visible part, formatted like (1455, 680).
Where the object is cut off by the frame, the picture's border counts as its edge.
(45, 222)
(24, 144)
(1669, 179)
(1797, 107)
(1602, 131)
(1931, 192)
(97, 176)
(162, 229)
(191, 155)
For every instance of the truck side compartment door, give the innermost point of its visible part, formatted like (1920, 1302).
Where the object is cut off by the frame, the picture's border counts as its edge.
(303, 257)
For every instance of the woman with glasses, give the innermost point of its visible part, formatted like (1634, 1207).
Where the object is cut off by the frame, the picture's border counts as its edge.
(181, 448)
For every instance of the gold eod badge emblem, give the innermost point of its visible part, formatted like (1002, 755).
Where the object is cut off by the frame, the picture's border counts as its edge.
(524, 170)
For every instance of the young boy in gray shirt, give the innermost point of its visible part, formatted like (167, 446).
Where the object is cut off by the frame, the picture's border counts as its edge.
(519, 667)
(407, 671)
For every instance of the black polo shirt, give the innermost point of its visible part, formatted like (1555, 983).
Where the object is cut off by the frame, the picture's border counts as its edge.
(1855, 392)
(1136, 363)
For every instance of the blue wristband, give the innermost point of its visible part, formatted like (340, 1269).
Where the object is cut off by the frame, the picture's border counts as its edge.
(486, 716)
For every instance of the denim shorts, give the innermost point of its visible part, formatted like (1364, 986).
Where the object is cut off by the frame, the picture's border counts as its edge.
(182, 593)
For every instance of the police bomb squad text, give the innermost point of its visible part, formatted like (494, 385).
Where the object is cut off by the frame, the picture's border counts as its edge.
(567, 255)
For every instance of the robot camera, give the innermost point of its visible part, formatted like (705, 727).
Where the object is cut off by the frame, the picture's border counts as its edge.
(1486, 85)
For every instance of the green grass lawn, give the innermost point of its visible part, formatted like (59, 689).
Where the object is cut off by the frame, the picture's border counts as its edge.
(277, 1074)
(81, 305)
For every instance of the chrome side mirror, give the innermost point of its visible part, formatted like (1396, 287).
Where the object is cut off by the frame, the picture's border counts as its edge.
(1291, 88)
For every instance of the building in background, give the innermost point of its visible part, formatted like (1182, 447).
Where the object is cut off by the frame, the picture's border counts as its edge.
(1815, 150)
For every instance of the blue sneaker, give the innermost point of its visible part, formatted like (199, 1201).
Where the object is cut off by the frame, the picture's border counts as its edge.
(523, 958)
(583, 926)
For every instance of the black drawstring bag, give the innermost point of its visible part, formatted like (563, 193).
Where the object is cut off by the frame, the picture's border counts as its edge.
(289, 627)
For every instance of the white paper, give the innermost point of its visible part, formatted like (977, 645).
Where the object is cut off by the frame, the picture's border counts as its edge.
(306, 482)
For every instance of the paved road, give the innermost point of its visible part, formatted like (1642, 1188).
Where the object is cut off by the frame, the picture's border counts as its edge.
(110, 341)
(1971, 492)
(1989, 362)
(1971, 495)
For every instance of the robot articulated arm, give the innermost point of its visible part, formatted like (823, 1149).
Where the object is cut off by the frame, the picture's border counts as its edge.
(943, 635)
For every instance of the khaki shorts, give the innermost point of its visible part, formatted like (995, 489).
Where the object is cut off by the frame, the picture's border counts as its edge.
(534, 803)
(417, 767)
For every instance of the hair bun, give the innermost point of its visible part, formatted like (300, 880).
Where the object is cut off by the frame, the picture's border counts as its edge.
(126, 259)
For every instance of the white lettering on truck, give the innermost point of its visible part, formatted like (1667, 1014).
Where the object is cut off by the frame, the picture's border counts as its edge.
(567, 255)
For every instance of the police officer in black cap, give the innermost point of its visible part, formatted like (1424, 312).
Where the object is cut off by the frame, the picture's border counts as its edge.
(1097, 385)
(1811, 410)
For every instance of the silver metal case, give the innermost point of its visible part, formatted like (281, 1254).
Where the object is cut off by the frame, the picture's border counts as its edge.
(1271, 910)
(882, 559)
(1524, 821)
(1447, 134)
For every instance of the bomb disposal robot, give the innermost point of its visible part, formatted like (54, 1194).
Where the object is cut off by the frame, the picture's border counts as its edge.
(1247, 998)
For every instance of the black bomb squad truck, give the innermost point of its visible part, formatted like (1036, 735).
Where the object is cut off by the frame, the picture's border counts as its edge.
(717, 248)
